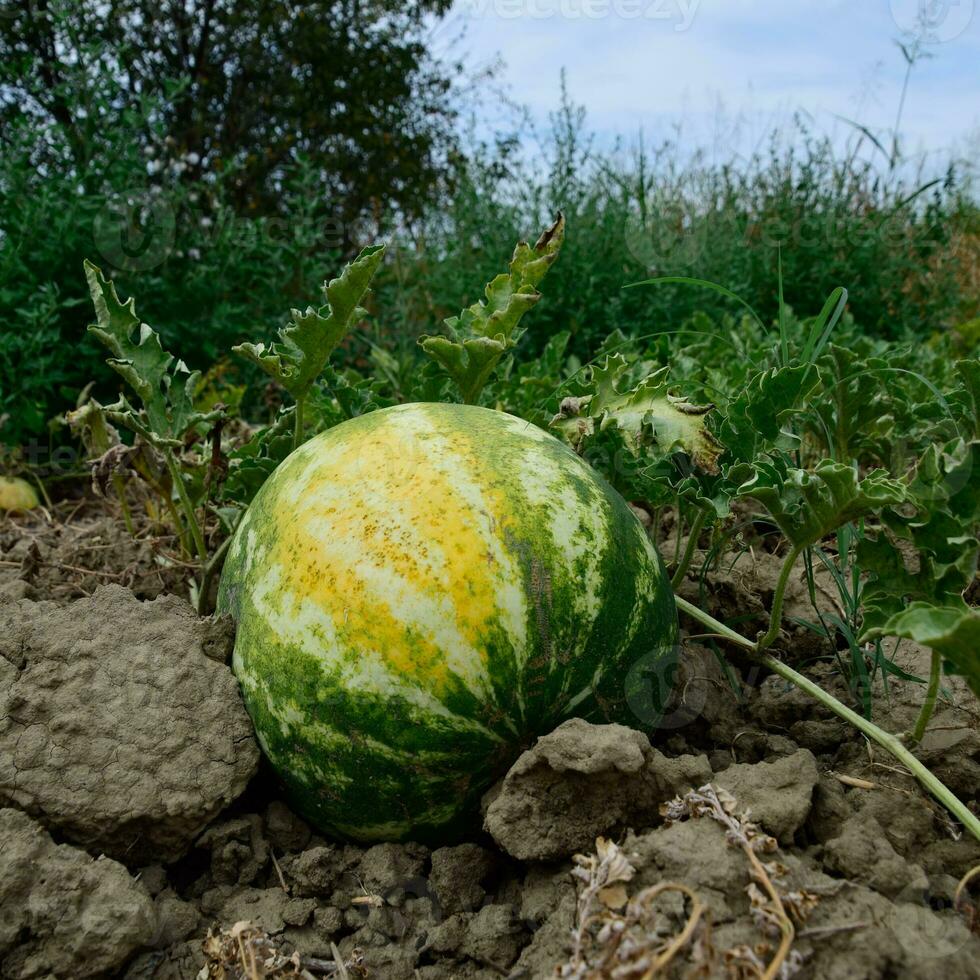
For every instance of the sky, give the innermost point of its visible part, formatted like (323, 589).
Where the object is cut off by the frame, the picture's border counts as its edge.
(707, 65)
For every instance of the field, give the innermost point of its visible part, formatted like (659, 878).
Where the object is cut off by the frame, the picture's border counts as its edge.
(432, 552)
(803, 804)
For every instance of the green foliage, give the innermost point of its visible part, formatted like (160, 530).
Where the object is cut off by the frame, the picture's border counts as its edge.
(755, 418)
(207, 279)
(921, 566)
(480, 336)
(904, 256)
(252, 463)
(310, 338)
(527, 387)
(649, 419)
(208, 170)
(952, 631)
(167, 413)
(164, 385)
(256, 84)
(967, 400)
(808, 504)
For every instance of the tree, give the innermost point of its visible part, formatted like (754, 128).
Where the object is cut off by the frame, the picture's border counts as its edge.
(347, 86)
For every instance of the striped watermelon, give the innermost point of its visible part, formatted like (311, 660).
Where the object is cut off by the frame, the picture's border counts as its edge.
(422, 591)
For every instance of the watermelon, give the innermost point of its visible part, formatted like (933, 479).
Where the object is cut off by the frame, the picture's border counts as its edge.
(17, 494)
(422, 591)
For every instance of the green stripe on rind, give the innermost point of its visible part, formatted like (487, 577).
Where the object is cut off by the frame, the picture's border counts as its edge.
(389, 758)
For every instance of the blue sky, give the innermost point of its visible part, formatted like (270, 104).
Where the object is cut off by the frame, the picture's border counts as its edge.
(705, 64)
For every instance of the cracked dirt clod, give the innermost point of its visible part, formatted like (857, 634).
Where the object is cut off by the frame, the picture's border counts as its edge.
(119, 728)
(579, 782)
(62, 912)
(457, 876)
(777, 795)
(862, 852)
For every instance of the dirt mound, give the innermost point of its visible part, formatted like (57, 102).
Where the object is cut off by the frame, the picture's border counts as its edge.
(580, 781)
(121, 729)
(64, 913)
(120, 725)
(401, 912)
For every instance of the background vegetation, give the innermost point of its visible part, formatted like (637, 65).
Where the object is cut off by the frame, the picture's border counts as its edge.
(220, 178)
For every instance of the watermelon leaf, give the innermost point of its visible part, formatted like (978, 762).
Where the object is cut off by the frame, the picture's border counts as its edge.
(938, 560)
(755, 418)
(652, 422)
(478, 338)
(163, 384)
(953, 631)
(311, 337)
(807, 505)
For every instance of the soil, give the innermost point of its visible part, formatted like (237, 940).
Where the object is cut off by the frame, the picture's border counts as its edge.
(144, 838)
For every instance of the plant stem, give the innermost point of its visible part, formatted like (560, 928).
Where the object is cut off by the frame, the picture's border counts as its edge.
(716, 627)
(677, 532)
(887, 741)
(692, 543)
(185, 503)
(776, 616)
(298, 423)
(120, 488)
(214, 565)
(164, 494)
(929, 705)
(44, 492)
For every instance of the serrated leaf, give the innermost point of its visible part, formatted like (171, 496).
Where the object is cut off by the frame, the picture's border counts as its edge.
(930, 555)
(251, 464)
(307, 342)
(807, 505)
(651, 422)
(952, 631)
(480, 336)
(163, 384)
(755, 419)
(470, 363)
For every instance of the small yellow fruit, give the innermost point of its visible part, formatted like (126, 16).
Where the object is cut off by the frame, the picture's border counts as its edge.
(17, 494)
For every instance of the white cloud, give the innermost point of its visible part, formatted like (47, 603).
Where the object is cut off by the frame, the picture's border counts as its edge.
(760, 58)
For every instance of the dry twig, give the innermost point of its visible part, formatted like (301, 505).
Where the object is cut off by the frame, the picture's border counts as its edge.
(246, 952)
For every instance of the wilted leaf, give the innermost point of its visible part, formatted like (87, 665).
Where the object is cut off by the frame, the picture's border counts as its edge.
(614, 897)
(652, 422)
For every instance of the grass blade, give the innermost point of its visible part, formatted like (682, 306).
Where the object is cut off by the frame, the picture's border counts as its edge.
(824, 324)
(705, 283)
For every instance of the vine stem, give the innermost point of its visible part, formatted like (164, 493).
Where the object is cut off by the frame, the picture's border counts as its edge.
(888, 742)
(932, 693)
(207, 576)
(119, 486)
(186, 505)
(692, 543)
(298, 423)
(776, 616)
